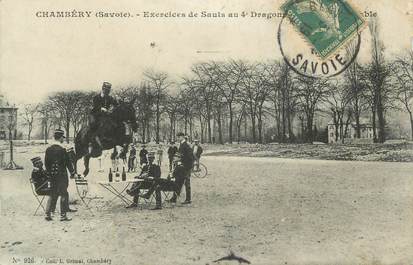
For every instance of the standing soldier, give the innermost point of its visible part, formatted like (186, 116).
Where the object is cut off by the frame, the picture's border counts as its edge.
(172, 149)
(57, 162)
(160, 154)
(132, 157)
(197, 151)
(142, 155)
(187, 159)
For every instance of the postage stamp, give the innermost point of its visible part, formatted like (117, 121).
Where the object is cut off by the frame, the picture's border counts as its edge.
(326, 24)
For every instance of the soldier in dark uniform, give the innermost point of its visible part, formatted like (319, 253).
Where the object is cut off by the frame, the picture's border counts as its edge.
(132, 157)
(171, 153)
(152, 173)
(184, 176)
(142, 156)
(102, 105)
(40, 177)
(57, 162)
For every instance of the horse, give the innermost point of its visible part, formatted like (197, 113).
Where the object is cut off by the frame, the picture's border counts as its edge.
(112, 132)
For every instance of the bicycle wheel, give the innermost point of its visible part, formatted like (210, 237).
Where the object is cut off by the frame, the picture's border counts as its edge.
(202, 172)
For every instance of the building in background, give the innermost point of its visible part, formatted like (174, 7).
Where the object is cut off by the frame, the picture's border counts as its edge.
(8, 120)
(335, 136)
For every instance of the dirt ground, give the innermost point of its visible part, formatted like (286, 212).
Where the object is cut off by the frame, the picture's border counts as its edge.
(266, 210)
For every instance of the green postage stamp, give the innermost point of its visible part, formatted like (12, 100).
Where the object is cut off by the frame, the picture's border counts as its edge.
(326, 24)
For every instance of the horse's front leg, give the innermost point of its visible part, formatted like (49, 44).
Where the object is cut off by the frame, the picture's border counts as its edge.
(86, 160)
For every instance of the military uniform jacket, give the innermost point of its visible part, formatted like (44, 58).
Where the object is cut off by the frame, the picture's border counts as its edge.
(187, 157)
(102, 102)
(153, 171)
(172, 151)
(142, 156)
(57, 162)
(132, 153)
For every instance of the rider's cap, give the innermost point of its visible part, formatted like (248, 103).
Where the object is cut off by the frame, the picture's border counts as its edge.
(59, 133)
(106, 85)
(180, 134)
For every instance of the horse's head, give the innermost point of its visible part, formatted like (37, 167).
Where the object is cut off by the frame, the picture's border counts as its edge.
(125, 112)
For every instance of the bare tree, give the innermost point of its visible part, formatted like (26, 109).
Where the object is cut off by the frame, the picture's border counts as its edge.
(65, 104)
(29, 115)
(377, 75)
(356, 89)
(172, 105)
(158, 82)
(338, 102)
(311, 93)
(254, 93)
(46, 113)
(228, 79)
(145, 103)
(403, 72)
(203, 88)
(283, 98)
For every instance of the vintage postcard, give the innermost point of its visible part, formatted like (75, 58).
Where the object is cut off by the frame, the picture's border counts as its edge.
(206, 132)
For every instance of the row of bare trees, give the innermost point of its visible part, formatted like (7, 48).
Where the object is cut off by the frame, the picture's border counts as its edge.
(227, 101)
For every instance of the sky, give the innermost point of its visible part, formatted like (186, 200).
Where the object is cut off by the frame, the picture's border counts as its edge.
(41, 55)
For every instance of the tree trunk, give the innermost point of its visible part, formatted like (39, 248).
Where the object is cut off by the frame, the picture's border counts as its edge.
(260, 126)
(381, 120)
(171, 130)
(254, 136)
(158, 118)
(67, 129)
(186, 125)
(190, 128)
(411, 123)
(357, 118)
(309, 133)
(202, 129)
(143, 132)
(373, 120)
(230, 122)
(208, 121)
(219, 122)
(29, 133)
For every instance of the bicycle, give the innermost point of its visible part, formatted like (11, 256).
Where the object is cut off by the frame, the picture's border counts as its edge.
(201, 172)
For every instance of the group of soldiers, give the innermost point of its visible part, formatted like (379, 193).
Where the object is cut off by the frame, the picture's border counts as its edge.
(182, 159)
(59, 161)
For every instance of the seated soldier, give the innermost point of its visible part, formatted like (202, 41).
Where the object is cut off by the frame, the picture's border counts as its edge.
(178, 173)
(152, 174)
(40, 178)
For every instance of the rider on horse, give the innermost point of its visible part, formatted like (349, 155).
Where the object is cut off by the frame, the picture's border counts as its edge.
(103, 104)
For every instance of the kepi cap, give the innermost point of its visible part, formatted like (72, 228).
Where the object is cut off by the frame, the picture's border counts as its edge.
(106, 85)
(59, 133)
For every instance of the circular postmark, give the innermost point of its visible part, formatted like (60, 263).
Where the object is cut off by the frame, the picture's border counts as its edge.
(321, 41)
